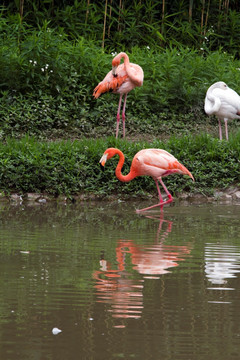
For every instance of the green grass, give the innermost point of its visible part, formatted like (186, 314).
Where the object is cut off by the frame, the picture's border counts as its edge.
(72, 167)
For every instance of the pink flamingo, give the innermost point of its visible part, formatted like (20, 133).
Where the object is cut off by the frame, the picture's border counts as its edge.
(156, 163)
(120, 80)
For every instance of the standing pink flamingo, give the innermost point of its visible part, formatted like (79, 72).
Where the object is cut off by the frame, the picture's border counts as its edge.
(156, 163)
(120, 80)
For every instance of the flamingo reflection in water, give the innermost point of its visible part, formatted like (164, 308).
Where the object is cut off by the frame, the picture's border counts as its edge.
(124, 291)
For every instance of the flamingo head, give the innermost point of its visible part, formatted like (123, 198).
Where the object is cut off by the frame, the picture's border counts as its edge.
(108, 154)
(103, 160)
(114, 71)
(115, 63)
(220, 85)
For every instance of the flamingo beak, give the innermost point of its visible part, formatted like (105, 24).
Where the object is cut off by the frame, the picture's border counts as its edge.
(191, 177)
(114, 71)
(103, 161)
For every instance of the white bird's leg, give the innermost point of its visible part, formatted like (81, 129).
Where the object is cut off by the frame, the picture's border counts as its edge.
(123, 114)
(226, 128)
(220, 129)
(118, 114)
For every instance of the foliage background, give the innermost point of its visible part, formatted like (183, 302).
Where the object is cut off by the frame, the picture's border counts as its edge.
(53, 53)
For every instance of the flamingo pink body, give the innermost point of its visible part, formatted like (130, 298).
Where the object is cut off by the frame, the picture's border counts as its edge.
(120, 80)
(156, 163)
(223, 102)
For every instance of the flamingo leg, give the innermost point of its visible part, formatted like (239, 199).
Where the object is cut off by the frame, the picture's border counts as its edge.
(220, 129)
(161, 202)
(118, 114)
(159, 192)
(123, 114)
(226, 128)
(170, 198)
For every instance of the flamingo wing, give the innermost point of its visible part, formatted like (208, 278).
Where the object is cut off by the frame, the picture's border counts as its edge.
(230, 103)
(122, 82)
(109, 83)
(154, 162)
(157, 163)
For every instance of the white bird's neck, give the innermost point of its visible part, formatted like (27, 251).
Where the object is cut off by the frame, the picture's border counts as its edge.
(213, 102)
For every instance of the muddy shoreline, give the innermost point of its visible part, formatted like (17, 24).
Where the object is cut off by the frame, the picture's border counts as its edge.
(232, 194)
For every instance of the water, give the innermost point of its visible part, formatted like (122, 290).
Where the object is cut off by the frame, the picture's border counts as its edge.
(118, 284)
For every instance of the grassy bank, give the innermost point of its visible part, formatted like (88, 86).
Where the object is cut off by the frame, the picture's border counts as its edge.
(47, 81)
(72, 167)
(47, 89)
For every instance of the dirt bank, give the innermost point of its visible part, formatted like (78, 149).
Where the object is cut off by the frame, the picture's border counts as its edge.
(232, 194)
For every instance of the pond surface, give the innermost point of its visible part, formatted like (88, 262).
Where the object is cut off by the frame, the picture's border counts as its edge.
(117, 284)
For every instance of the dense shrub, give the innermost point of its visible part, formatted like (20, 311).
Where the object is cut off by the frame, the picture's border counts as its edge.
(48, 88)
(121, 25)
(72, 167)
(51, 59)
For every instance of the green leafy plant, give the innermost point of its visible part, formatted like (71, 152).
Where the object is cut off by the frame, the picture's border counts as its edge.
(72, 167)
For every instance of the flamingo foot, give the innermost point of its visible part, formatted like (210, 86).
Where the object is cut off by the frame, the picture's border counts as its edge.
(161, 204)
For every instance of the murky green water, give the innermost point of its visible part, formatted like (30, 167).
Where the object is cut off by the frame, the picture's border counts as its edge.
(118, 284)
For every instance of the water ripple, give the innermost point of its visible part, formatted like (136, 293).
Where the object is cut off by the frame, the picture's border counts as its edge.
(222, 262)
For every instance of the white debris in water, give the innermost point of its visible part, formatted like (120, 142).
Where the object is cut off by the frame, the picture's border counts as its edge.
(56, 331)
(43, 201)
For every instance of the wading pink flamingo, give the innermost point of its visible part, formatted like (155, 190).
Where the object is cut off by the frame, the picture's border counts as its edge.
(223, 102)
(156, 163)
(120, 80)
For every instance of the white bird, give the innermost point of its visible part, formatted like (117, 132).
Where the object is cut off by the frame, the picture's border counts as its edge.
(223, 102)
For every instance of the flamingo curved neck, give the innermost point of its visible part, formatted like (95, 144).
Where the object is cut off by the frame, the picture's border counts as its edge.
(118, 171)
(215, 103)
(134, 77)
(120, 56)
